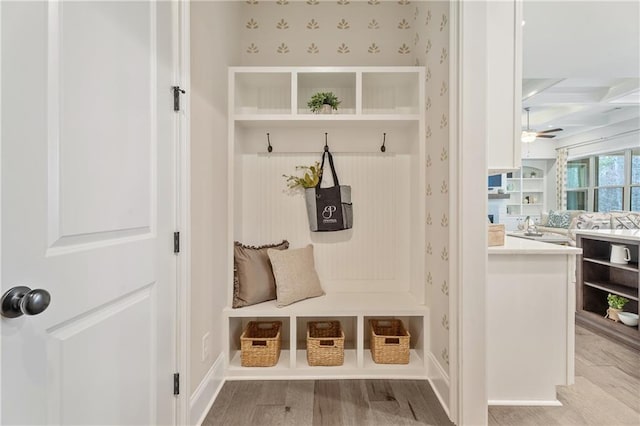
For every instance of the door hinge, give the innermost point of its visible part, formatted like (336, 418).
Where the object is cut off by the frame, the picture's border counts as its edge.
(176, 384)
(176, 97)
(176, 242)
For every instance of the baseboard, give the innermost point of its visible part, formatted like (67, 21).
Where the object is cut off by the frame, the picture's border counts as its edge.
(439, 380)
(528, 403)
(202, 399)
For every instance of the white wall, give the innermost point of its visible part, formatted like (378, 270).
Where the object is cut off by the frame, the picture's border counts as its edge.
(213, 49)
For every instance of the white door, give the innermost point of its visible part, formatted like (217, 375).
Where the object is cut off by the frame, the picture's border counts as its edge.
(87, 194)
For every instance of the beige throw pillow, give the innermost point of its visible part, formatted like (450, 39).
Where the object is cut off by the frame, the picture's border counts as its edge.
(253, 280)
(295, 273)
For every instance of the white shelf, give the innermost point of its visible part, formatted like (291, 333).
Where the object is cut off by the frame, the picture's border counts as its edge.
(523, 186)
(363, 91)
(324, 120)
(338, 304)
(349, 369)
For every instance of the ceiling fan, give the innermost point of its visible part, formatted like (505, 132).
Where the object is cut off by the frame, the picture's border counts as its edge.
(529, 135)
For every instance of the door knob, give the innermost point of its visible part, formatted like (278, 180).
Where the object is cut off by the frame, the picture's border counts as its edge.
(22, 300)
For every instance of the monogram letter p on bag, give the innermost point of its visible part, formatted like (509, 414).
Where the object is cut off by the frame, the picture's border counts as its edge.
(329, 209)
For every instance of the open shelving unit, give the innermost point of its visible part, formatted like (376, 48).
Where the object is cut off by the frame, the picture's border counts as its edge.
(526, 191)
(597, 277)
(376, 269)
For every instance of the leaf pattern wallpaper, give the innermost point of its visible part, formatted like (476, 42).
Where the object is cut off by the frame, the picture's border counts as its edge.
(375, 32)
(327, 32)
(431, 24)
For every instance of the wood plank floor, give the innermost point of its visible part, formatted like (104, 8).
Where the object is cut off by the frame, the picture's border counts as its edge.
(606, 392)
(326, 402)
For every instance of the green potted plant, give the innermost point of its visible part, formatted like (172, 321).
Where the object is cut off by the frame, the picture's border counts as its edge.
(323, 102)
(309, 179)
(616, 303)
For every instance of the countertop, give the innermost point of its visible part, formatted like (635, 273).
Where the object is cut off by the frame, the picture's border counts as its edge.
(632, 234)
(514, 245)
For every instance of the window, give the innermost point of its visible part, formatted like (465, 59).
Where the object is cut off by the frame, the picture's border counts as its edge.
(577, 184)
(578, 173)
(635, 180)
(577, 200)
(606, 182)
(608, 194)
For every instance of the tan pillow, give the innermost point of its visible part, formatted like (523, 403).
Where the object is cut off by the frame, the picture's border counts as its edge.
(253, 280)
(296, 276)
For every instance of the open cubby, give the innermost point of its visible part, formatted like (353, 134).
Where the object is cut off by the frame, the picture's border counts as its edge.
(597, 277)
(389, 93)
(262, 93)
(341, 84)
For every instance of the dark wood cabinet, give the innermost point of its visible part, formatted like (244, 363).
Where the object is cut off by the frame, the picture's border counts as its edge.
(597, 276)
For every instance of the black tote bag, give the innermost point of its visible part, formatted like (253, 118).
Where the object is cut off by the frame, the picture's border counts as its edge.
(329, 209)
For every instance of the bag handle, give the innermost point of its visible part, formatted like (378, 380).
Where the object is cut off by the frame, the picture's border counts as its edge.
(333, 170)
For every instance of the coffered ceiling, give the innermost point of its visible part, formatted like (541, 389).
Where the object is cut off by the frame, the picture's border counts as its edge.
(581, 66)
(579, 105)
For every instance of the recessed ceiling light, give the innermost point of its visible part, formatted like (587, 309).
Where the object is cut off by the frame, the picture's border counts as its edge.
(523, 22)
(550, 125)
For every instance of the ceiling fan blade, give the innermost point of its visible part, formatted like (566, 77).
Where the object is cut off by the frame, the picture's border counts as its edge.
(545, 136)
(550, 131)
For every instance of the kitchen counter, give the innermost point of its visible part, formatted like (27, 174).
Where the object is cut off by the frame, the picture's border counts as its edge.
(514, 245)
(531, 294)
(632, 234)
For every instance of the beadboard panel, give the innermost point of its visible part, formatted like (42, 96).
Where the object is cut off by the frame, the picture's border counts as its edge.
(373, 256)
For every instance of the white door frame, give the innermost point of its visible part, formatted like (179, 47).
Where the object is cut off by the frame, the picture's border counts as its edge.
(183, 189)
(0, 194)
(468, 204)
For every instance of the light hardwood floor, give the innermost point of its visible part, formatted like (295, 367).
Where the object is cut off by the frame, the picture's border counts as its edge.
(606, 390)
(606, 393)
(326, 402)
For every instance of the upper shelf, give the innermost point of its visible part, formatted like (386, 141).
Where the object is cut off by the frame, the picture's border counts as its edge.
(280, 94)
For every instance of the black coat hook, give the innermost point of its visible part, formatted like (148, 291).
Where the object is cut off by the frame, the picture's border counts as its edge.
(326, 146)
(384, 140)
(269, 147)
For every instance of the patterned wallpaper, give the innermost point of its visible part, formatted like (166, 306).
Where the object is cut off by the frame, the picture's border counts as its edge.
(431, 44)
(323, 32)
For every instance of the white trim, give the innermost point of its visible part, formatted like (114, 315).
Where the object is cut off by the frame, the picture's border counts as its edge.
(439, 381)
(526, 403)
(468, 81)
(207, 391)
(182, 71)
(1, 286)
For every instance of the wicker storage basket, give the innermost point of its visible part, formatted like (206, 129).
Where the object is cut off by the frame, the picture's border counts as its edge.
(389, 342)
(260, 344)
(325, 343)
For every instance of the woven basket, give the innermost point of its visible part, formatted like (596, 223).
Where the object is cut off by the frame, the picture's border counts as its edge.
(325, 343)
(260, 344)
(389, 342)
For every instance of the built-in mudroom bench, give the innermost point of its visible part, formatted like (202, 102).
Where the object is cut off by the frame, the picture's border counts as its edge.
(376, 269)
(353, 310)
